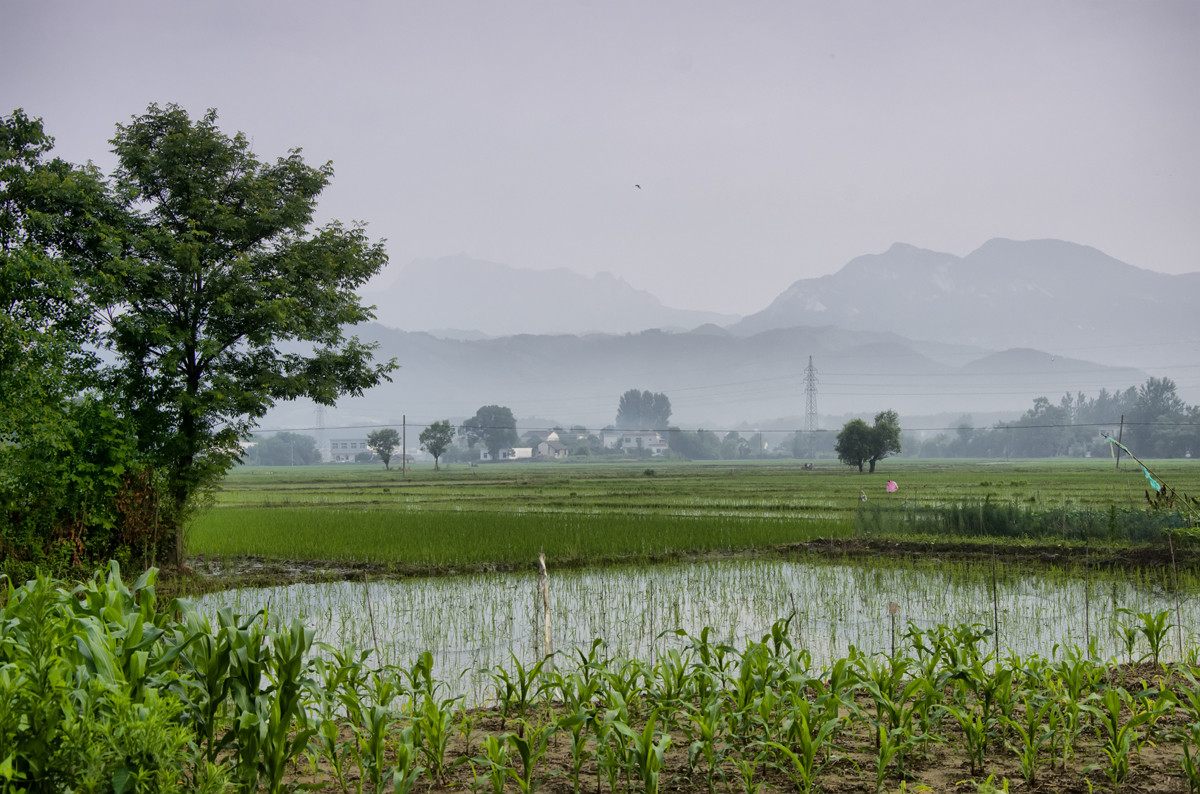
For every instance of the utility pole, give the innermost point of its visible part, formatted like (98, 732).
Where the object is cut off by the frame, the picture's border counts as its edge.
(403, 446)
(1120, 432)
(810, 407)
(321, 427)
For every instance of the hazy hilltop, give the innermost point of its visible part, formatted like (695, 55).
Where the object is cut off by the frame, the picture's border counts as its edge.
(1049, 295)
(713, 378)
(465, 298)
(916, 331)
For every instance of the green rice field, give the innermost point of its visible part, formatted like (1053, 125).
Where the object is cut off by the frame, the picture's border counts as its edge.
(504, 513)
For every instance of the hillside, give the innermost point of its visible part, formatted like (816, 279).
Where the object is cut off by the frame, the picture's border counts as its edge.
(464, 298)
(1049, 295)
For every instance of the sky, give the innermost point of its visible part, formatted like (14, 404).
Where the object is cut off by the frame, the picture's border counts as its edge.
(711, 153)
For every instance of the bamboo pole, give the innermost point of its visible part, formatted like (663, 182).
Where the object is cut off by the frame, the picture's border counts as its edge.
(544, 588)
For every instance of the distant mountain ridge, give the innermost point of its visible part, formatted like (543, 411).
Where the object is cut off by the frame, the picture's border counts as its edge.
(714, 378)
(912, 330)
(463, 298)
(1044, 294)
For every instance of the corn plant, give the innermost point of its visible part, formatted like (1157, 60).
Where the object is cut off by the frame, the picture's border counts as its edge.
(495, 760)
(1189, 737)
(406, 772)
(530, 744)
(1155, 628)
(810, 740)
(466, 727)
(576, 725)
(1122, 739)
(207, 663)
(89, 698)
(746, 764)
(1034, 731)
(891, 745)
(371, 745)
(326, 743)
(624, 683)
(975, 727)
(516, 692)
(646, 754)
(670, 683)
(713, 660)
(420, 675)
(611, 749)
(708, 721)
(432, 729)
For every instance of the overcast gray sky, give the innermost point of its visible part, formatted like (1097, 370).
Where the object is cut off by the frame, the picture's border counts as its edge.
(772, 140)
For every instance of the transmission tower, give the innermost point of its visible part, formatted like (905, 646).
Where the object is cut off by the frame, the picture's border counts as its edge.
(810, 406)
(320, 417)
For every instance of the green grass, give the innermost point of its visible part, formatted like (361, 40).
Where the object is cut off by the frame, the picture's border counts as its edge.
(447, 539)
(503, 514)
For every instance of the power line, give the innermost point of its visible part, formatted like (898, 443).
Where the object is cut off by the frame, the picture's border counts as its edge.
(667, 430)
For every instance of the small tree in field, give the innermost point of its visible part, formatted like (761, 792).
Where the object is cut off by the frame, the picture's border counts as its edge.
(859, 443)
(853, 445)
(383, 443)
(436, 439)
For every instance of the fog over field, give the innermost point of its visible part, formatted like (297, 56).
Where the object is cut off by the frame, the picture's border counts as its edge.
(760, 181)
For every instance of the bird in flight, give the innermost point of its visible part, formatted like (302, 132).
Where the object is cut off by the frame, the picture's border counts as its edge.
(639, 187)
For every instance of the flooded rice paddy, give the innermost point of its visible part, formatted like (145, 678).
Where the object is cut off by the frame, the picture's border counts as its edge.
(470, 623)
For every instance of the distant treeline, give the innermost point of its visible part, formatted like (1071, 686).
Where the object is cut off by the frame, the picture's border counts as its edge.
(1157, 424)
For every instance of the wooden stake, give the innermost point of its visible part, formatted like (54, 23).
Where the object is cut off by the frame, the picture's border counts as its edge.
(543, 586)
(1178, 614)
(370, 614)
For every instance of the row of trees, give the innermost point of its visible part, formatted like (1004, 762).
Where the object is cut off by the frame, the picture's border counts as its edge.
(435, 439)
(1157, 424)
(148, 318)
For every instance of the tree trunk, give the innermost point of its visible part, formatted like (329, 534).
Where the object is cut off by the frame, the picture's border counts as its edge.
(179, 496)
(872, 470)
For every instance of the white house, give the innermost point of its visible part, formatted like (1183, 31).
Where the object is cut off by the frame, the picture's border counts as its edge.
(554, 450)
(512, 453)
(634, 440)
(344, 450)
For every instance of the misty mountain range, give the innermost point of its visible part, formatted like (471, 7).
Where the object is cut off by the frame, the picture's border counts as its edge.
(462, 298)
(1044, 294)
(912, 330)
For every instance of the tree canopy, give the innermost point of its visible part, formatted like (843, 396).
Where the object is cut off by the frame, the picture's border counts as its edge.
(436, 439)
(643, 410)
(383, 443)
(197, 272)
(859, 443)
(492, 425)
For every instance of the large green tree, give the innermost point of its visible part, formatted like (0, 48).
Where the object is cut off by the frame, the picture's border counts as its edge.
(214, 297)
(492, 425)
(859, 443)
(643, 410)
(853, 446)
(73, 488)
(436, 439)
(383, 443)
(885, 437)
